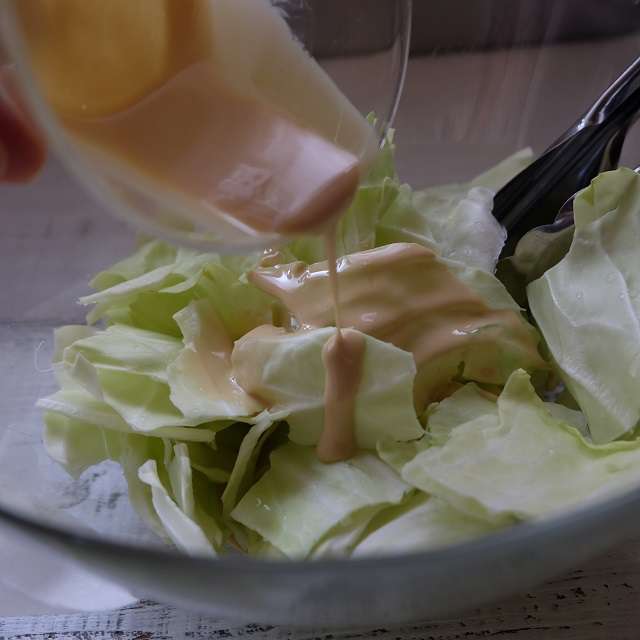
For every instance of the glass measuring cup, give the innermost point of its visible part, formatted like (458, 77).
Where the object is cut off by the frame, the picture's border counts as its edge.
(361, 45)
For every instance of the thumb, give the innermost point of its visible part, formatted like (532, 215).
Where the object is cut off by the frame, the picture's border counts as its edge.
(22, 149)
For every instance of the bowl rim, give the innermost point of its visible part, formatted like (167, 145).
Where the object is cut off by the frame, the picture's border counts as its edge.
(514, 536)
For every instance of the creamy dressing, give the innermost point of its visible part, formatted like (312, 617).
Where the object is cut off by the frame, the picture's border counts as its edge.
(402, 294)
(208, 360)
(343, 356)
(229, 154)
(332, 269)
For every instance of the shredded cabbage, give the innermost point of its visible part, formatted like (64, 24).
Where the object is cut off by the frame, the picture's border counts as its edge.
(210, 395)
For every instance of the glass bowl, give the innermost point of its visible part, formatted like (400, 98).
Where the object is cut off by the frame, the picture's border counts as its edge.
(486, 78)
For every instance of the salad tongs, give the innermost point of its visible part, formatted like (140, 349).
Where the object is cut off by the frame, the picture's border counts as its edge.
(536, 207)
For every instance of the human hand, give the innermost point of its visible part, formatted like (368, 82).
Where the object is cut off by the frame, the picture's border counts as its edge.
(22, 148)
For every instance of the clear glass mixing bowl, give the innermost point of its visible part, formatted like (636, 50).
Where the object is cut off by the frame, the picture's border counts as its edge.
(486, 78)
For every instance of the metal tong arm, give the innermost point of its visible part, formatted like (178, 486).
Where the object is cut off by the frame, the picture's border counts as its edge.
(591, 145)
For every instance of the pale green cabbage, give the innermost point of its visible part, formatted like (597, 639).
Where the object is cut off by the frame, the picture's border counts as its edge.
(286, 369)
(454, 220)
(200, 377)
(188, 527)
(213, 410)
(520, 462)
(588, 306)
(299, 498)
(421, 522)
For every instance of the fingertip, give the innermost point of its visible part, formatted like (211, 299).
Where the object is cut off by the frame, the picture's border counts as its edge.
(4, 160)
(22, 150)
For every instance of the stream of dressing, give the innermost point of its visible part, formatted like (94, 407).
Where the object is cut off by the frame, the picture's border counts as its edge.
(342, 356)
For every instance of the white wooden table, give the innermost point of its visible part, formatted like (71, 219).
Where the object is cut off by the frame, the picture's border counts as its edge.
(595, 602)
(489, 109)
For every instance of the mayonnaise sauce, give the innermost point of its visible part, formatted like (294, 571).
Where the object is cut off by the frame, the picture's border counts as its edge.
(402, 294)
(343, 356)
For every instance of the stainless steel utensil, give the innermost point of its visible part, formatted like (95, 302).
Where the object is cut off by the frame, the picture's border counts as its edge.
(538, 237)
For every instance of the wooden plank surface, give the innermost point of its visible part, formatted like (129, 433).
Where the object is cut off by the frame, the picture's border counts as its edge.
(595, 602)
